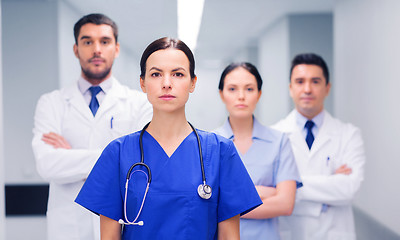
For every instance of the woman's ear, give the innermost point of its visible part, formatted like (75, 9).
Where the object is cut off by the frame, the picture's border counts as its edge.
(142, 85)
(222, 96)
(193, 86)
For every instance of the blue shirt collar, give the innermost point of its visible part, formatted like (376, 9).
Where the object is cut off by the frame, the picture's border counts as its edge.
(258, 131)
(226, 130)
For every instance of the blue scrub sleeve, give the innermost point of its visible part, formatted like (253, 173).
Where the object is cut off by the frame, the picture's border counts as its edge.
(101, 191)
(287, 167)
(237, 194)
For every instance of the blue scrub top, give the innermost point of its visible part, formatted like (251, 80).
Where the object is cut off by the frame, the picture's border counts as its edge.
(172, 209)
(269, 161)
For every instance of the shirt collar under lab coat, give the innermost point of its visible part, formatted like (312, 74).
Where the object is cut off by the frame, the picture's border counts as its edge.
(84, 85)
(318, 121)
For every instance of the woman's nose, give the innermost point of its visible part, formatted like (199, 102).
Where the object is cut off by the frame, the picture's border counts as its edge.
(241, 94)
(166, 84)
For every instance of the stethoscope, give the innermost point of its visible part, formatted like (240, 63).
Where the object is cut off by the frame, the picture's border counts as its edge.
(204, 190)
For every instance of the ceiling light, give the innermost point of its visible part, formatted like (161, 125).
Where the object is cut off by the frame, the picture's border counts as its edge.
(189, 20)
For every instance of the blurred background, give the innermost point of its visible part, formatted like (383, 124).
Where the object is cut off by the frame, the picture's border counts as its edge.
(359, 39)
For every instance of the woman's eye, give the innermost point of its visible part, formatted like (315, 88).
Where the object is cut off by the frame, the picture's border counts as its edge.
(250, 89)
(156, 74)
(231, 89)
(179, 74)
(87, 42)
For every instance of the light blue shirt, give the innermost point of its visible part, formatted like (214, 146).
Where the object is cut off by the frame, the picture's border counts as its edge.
(269, 161)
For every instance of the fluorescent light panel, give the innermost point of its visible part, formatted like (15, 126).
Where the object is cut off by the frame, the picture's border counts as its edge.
(190, 13)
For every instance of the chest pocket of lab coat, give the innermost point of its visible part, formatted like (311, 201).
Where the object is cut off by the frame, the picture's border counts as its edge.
(84, 132)
(122, 126)
(325, 159)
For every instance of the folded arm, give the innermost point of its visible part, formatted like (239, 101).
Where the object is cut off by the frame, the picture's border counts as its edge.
(55, 140)
(340, 187)
(63, 165)
(55, 159)
(279, 204)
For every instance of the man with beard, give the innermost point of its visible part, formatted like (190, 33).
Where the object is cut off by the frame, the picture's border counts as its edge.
(73, 125)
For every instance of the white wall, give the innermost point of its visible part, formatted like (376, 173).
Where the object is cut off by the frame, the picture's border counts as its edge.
(273, 66)
(248, 54)
(68, 65)
(126, 68)
(29, 69)
(30, 54)
(366, 43)
(2, 204)
(205, 109)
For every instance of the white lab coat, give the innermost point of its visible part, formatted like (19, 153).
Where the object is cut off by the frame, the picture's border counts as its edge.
(336, 143)
(65, 112)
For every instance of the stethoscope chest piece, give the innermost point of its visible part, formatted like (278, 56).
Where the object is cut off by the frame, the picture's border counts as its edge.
(204, 191)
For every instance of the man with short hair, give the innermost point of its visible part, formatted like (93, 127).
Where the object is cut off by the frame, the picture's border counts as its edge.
(73, 125)
(329, 154)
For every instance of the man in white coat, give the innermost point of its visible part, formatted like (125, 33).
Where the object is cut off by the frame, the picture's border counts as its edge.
(329, 154)
(73, 125)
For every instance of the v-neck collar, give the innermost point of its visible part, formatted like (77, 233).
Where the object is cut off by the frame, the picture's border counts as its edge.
(159, 145)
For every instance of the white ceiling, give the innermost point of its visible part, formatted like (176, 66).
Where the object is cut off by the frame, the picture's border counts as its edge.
(227, 25)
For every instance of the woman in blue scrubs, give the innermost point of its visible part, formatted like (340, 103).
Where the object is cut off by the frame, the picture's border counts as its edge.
(266, 153)
(172, 207)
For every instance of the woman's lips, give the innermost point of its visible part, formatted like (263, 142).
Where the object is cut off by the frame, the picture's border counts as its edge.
(241, 106)
(167, 97)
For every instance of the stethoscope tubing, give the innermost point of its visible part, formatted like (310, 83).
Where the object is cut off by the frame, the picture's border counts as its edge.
(200, 154)
(204, 190)
(141, 206)
(128, 175)
(203, 175)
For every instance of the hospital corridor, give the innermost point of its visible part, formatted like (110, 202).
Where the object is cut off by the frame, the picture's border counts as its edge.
(41, 52)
